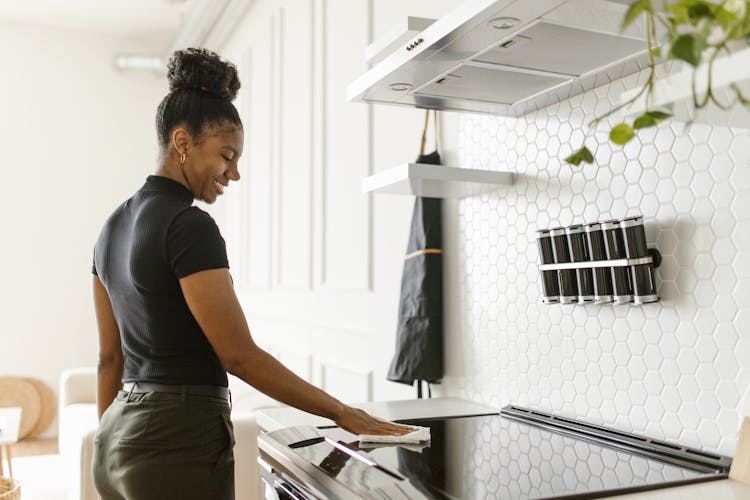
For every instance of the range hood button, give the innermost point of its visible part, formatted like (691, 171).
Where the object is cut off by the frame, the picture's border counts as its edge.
(414, 44)
(400, 87)
(504, 23)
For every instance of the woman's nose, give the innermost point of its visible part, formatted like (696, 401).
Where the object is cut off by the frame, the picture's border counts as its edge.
(233, 174)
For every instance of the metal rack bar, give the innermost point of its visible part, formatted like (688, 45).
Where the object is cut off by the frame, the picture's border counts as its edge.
(597, 263)
(660, 450)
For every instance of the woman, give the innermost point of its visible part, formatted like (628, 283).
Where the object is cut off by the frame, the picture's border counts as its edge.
(170, 325)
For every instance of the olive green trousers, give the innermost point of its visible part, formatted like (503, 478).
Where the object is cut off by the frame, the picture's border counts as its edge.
(163, 446)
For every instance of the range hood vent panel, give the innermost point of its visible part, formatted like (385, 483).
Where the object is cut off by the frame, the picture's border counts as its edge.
(472, 83)
(550, 47)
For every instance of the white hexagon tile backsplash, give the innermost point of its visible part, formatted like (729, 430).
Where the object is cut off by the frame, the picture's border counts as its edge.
(676, 369)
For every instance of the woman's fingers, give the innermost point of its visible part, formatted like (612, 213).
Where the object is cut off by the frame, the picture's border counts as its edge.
(399, 431)
(359, 422)
(396, 429)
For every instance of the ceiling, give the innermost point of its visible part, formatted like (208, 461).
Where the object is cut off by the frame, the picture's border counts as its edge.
(153, 22)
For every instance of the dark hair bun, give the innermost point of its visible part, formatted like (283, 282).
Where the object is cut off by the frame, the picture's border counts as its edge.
(202, 70)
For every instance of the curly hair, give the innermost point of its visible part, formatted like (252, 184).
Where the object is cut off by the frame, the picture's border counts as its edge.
(202, 88)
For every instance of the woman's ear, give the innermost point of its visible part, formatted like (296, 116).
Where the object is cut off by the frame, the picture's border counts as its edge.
(181, 140)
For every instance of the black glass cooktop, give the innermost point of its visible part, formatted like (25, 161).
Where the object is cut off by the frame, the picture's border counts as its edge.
(496, 456)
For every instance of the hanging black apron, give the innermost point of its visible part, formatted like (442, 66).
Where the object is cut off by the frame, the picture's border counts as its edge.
(419, 337)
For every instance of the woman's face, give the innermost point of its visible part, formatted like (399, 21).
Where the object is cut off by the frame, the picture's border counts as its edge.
(211, 161)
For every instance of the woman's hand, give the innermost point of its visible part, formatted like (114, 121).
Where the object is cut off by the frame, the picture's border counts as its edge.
(359, 422)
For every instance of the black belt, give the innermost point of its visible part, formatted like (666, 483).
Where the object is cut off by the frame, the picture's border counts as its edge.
(195, 390)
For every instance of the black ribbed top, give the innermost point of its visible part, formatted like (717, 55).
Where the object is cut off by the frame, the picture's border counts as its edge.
(149, 243)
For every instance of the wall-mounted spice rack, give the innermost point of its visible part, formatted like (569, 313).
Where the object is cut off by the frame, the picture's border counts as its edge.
(601, 262)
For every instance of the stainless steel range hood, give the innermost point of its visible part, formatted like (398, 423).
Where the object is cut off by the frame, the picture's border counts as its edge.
(507, 57)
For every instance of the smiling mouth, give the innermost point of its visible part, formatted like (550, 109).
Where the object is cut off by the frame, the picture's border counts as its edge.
(219, 187)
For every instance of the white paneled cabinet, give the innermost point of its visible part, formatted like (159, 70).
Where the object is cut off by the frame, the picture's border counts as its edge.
(255, 215)
(316, 263)
(292, 68)
(346, 223)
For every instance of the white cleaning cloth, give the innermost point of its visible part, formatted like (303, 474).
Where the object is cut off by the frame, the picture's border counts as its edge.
(415, 447)
(418, 435)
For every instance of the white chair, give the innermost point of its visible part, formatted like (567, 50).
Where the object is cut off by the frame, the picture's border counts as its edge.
(78, 424)
(10, 423)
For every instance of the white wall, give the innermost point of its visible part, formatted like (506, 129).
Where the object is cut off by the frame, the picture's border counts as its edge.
(318, 264)
(675, 369)
(77, 139)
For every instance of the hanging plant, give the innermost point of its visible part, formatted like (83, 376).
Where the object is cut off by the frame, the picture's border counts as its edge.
(696, 31)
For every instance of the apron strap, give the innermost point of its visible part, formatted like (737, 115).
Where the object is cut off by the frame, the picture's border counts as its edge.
(424, 130)
(424, 251)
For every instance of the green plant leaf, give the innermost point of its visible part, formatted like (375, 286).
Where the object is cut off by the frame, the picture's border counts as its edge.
(582, 155)
(650, 118)
(644, 121)
(726, 18)
(660, 115)
(741, 28)
(698, 11)
(678, 12)
(621, 134)
(635, 10)
(688, 48)
(744, 27)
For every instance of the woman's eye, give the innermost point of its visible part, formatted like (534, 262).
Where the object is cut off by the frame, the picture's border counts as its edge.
(226, 159)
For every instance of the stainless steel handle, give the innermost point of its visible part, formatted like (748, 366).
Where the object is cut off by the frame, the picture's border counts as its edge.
(273, 484)
(268, 478)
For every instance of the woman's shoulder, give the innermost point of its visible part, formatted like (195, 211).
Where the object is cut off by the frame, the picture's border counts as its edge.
(194, 243)
(193, 220)
(193, 213)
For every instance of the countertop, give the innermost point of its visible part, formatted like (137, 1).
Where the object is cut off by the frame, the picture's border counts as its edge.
(271, 419)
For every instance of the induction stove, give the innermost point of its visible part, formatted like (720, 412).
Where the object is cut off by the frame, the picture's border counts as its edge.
(517, 454)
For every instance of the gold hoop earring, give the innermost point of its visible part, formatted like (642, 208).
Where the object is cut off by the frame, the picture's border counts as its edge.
(182, 159)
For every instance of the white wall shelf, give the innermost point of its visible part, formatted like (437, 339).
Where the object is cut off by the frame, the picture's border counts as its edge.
(435, 181)
(675, 89)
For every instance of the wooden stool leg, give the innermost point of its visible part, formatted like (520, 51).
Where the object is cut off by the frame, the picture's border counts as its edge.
(2, 468)
(740, 470)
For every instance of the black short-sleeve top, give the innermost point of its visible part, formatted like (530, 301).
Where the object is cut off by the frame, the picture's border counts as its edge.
(149, 243)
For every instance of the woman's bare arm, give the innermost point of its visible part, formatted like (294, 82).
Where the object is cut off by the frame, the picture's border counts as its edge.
(109, 368)
(212, 300)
